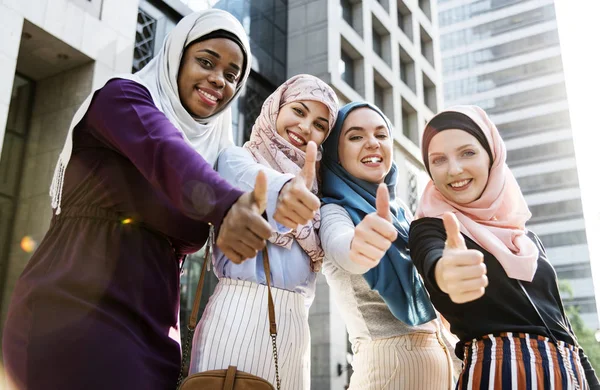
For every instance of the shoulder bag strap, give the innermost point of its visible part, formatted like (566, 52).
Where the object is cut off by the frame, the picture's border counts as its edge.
(550, 334)
(272, 322)
(196, 308)
(193, 320)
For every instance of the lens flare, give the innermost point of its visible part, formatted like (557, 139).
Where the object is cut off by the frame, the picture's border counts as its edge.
(28, 244)
(127, 221)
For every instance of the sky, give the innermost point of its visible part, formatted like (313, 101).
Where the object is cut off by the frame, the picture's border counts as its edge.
(579, 32)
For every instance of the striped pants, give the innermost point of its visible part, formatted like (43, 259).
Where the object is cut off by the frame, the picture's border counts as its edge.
(417, 361)
(510, 361)
(234, 330)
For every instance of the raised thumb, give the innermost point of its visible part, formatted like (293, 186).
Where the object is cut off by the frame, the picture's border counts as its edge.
(308, 170)
(454, 240)
(382, 202)
(259, 194)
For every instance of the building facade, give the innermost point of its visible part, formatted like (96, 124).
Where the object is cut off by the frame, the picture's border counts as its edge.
(504, 55)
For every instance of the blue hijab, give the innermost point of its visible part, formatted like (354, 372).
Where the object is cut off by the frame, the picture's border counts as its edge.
(395, 277)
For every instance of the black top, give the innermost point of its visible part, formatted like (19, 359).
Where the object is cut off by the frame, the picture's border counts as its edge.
(504, 307)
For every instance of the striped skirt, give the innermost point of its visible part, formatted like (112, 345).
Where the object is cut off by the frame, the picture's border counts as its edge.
(510, 361)
(417, 361)
(234, 330)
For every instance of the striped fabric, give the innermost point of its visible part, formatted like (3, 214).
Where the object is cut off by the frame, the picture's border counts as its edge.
(510, 361)
(416, 361)
(234, 330)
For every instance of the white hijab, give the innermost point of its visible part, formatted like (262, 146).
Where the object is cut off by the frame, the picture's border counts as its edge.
(208, 136)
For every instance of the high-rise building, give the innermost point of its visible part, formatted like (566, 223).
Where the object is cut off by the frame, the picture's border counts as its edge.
(504, 55)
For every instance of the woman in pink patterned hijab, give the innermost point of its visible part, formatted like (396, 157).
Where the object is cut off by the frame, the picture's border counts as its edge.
(234, 331)
(275, 142)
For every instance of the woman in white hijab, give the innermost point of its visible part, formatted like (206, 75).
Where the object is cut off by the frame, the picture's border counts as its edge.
(134, 190)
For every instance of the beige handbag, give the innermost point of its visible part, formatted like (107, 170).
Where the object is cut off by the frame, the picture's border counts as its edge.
(231, 378)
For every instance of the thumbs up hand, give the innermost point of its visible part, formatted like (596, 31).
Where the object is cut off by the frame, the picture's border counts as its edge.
(259, 194)
(461, 272)
(244, 231)
(296, 204)
(375, 234)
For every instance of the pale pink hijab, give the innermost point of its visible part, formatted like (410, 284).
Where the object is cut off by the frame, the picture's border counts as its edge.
(270, 149)
(495, 221)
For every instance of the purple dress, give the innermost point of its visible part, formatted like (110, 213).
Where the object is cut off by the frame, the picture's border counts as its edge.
(97, 305)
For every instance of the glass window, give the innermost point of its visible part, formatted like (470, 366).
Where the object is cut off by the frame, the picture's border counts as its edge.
(584, 304)
(556, 120)
(384, 4)
(556, 211)
(379, 93)
(405, 19)
(265, 22)
(524, 99)
(577, 237)
(430, 93)
(347, 11)
(377, 44)
(467, 11)
(410, 124)
(487, 30)
(549, 181)
(427, 46)
(257, 92)
(538, 153)
(347, 69)
(145, 36)
(425, 7)
(573, 271)
(486, 82)
(407, 70)
(495, 53)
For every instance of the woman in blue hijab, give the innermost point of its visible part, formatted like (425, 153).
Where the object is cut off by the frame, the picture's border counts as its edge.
(392, 324)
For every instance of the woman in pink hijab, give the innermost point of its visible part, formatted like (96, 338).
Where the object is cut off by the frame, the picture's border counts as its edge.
(486, 273)
(234, 329)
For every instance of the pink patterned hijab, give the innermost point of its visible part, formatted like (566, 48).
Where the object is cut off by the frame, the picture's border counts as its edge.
(496, 221)
(270, 149)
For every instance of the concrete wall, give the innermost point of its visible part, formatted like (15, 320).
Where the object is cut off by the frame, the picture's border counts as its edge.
(108, 40)
(55, 102)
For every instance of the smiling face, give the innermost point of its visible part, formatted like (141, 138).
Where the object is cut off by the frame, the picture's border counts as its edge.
(459, 165)
(365, 146)
(302, 121)
(208, 75)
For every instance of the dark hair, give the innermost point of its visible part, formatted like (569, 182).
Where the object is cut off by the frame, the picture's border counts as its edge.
(227, 35)
(452, 120)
